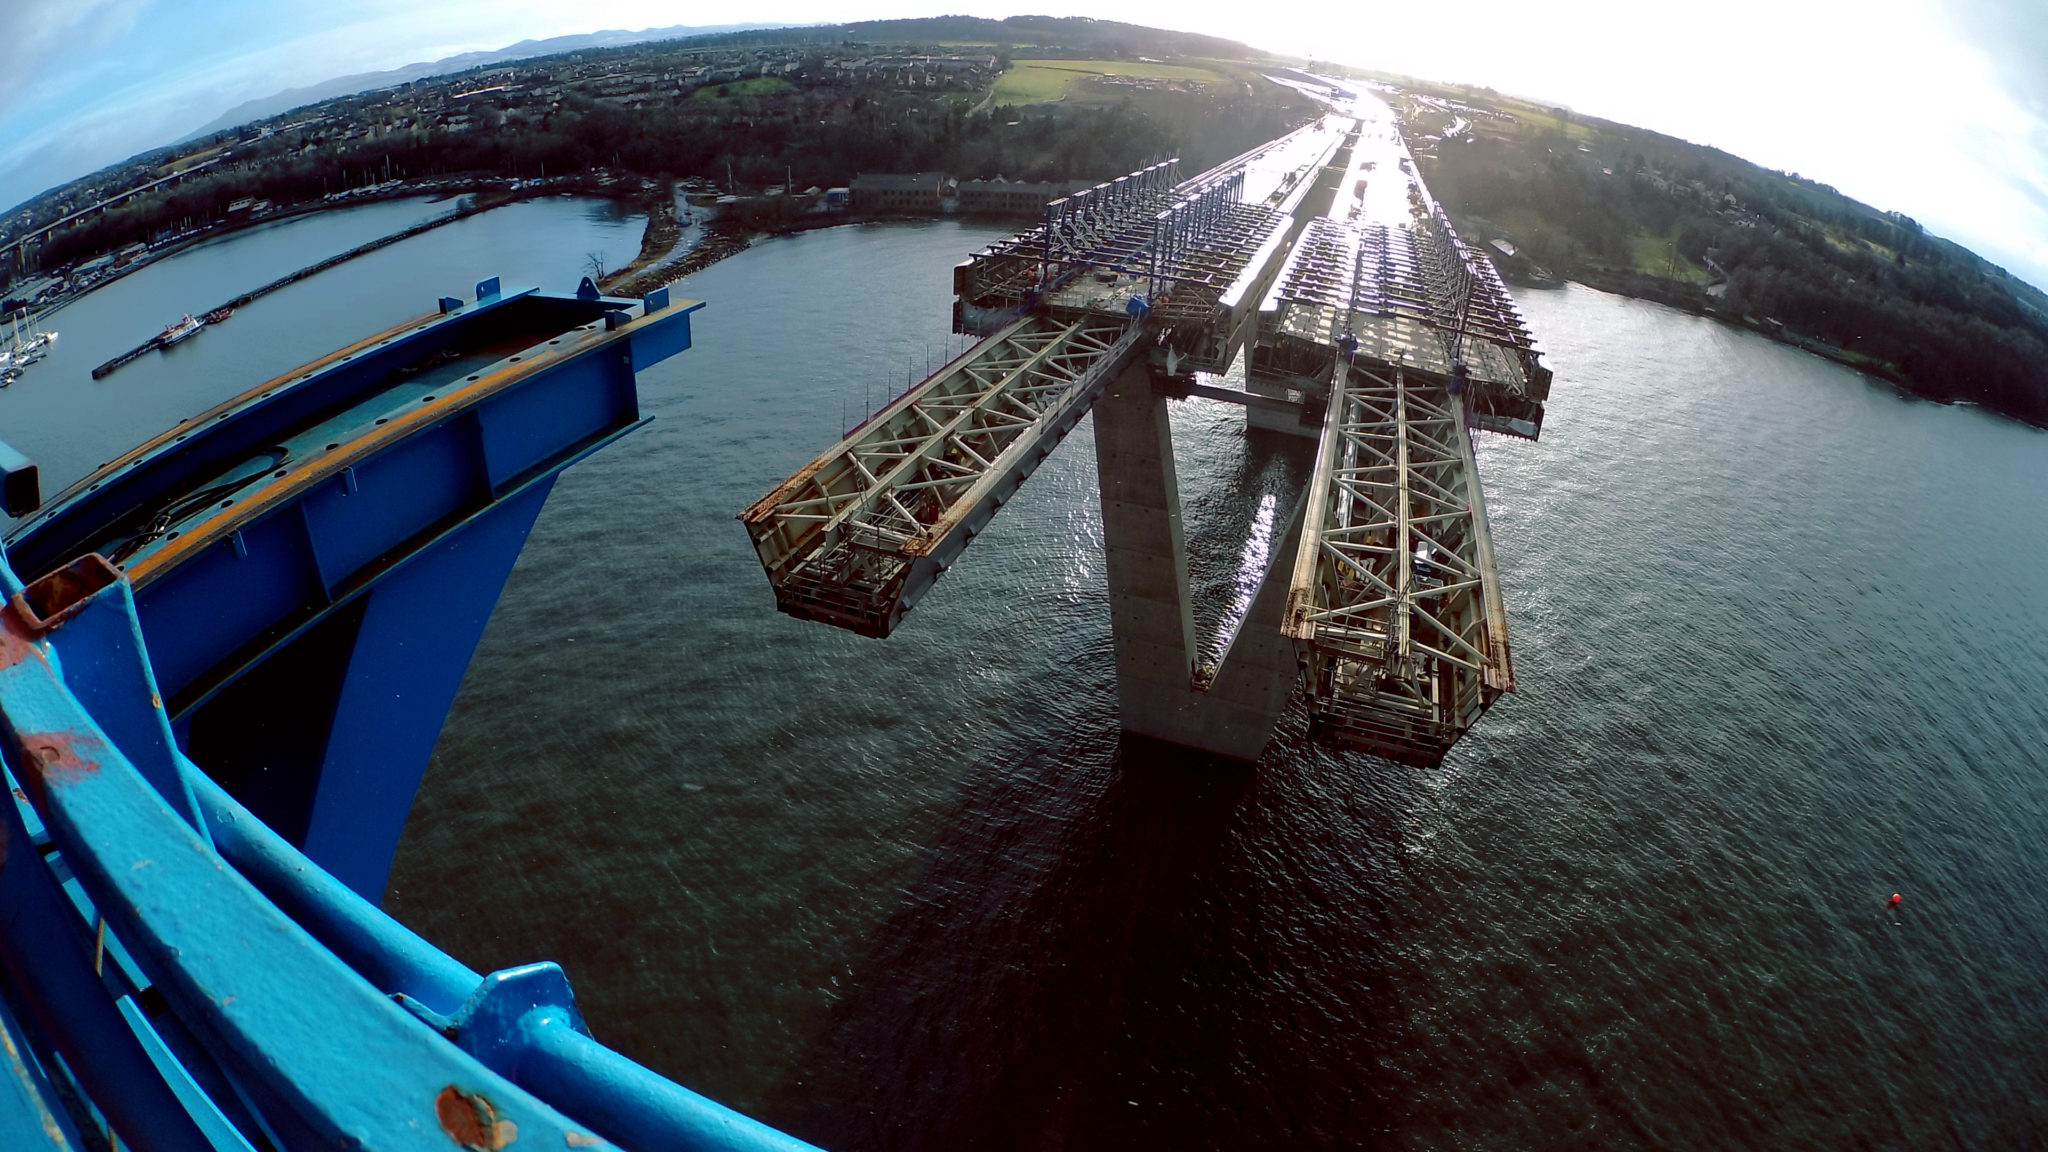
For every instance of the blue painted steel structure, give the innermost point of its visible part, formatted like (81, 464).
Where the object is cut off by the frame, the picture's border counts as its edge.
(191, 957)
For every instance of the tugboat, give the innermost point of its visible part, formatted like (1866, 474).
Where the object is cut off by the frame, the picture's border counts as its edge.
(217, 315)
(185, 326)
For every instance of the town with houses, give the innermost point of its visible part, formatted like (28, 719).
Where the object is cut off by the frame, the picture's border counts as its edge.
(479, 101)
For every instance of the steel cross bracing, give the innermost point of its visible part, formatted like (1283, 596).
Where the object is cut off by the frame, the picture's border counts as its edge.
(1413, 295)
(1179, 242)
(1079, 224)
(1394, 604)
(858, 535)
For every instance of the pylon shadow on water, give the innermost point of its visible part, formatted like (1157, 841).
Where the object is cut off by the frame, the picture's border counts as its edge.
(1093, 957)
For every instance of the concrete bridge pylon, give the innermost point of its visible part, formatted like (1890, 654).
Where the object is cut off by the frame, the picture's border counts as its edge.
(1162, 692)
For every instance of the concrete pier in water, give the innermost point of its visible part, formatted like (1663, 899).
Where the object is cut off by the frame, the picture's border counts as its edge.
(1321, 264)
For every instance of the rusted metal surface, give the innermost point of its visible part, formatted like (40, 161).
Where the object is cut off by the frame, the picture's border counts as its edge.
(471, 1120)
(53, 598)
(858, 534)
(1394, 604)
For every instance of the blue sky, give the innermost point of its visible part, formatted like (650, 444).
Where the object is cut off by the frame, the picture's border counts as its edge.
(1936, 108)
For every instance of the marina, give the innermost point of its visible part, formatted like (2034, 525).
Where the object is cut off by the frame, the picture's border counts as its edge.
(23, 349)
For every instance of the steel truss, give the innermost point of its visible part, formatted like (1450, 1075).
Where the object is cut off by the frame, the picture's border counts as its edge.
(856, 536)
(1082, 223)
(1185, 240)
(1403, 652)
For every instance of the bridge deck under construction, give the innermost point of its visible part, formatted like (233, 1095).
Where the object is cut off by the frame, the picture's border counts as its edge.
(1318, 261)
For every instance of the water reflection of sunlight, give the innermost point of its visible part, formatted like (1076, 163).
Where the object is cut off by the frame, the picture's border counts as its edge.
(1251, 569)
(1077, 575)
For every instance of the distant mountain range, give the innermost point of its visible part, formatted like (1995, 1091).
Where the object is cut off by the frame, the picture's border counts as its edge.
(292, 98)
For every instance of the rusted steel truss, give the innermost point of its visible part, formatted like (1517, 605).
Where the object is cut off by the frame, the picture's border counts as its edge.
(1395, 606)
(856, 536)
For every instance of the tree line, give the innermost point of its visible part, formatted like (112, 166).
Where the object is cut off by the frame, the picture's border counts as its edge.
(813, 134)
(1921, 310)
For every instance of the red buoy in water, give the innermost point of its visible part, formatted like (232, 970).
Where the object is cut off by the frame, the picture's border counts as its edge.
(1895, 899)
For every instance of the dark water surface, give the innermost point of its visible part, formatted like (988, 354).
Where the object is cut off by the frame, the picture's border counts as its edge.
(1782, 647)
(1782, 643)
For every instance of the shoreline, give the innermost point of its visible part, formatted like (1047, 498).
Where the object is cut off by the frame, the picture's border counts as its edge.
(673, 249)
(1635, 286)
(676, 244)
(487, 198)
(718, 240)
(715, 239)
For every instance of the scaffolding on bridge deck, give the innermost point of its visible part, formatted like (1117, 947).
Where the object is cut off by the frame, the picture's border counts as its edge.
(1394, 605)
(856, 536)
(1373, 321)
(1188, 252)
(1415, 296)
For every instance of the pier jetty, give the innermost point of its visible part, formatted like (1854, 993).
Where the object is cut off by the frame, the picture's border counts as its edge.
(156, 342)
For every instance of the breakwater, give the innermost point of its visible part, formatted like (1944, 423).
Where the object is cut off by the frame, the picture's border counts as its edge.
(461, 213)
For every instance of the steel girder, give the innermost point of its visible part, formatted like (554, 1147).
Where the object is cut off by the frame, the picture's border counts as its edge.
(1079, 224)
(856, 536)
(1395, 606)
(1150, 225)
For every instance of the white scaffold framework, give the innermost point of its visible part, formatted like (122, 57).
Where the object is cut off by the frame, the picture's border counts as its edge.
(1395, 606)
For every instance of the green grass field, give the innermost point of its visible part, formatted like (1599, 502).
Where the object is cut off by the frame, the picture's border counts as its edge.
(1659, 256)
(1040, 81)
(751, 86)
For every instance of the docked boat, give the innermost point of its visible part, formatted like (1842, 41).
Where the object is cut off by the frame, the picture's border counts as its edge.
(25, 349)
(185, 326)
(162, 948)
(217, 315)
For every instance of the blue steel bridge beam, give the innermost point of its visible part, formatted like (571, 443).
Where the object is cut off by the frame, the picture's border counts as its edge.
(267, 1003)
(203, 1015)
(363, 516)
(166, 995)
(542, 1046)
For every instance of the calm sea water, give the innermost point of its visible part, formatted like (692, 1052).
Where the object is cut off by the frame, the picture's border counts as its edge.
(1782, 641)
(1782, 647)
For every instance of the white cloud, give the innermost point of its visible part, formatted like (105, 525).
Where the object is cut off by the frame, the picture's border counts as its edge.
(45, 35)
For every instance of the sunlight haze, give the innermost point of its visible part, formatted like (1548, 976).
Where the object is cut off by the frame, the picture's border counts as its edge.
(1936, 110)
